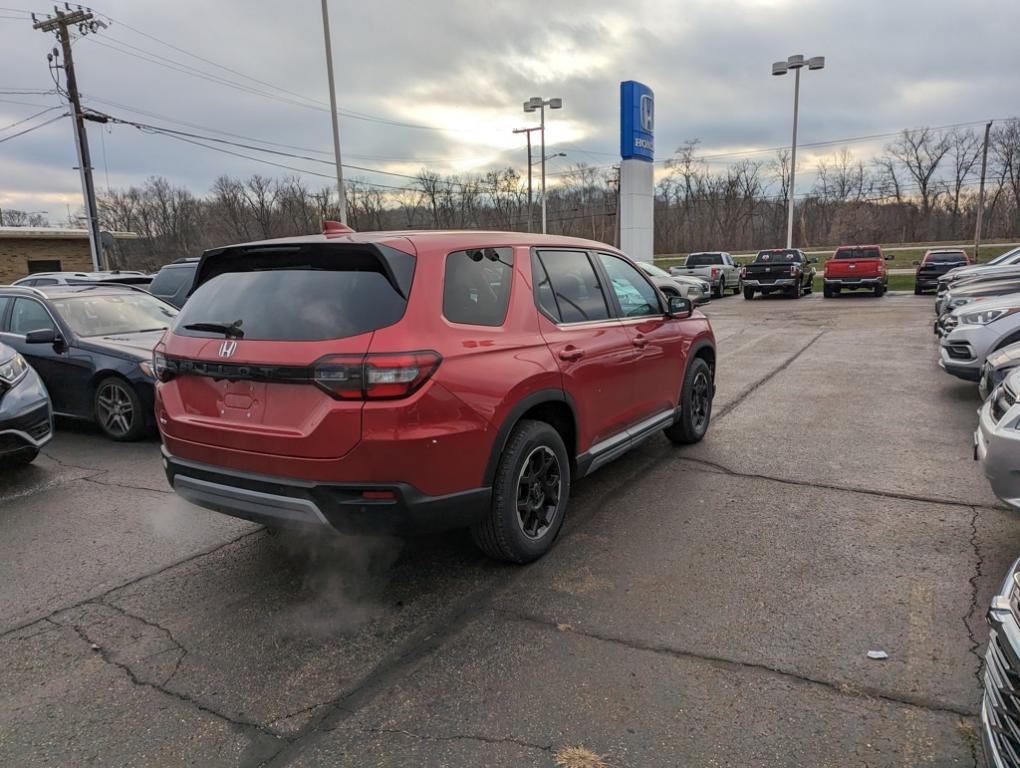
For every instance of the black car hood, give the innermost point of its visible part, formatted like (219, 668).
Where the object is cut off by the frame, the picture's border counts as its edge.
(134, 345)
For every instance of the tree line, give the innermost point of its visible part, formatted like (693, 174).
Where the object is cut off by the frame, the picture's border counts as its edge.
(921, 187)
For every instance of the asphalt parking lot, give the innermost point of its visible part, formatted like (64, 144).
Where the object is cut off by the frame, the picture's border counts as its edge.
(705, 606)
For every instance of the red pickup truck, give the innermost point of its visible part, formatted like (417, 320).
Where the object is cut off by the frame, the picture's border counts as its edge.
(853, 267)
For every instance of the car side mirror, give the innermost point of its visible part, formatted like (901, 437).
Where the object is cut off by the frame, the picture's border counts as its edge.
(813, 260)
(42, 336)
(915, 263)
(680, 307)
(889, 257)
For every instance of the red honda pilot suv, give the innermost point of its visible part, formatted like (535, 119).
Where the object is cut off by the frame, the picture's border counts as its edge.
(412, 381)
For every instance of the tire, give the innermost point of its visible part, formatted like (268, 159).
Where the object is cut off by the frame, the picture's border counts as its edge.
(19, 459)
(739, 287)
(695, 405)
(117, 410)
(810, 287)
(748, 293)
(721, 290)
(826, 292)
(798, 291)
(917, 290)
(879, 291)
(518, 535)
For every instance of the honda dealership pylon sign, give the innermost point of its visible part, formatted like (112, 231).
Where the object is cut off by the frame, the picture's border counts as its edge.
(637, 150)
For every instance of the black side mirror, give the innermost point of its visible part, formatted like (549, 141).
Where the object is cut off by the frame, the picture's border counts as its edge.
(889, 257)
(680, 307)
(42, 336)
(814, 260)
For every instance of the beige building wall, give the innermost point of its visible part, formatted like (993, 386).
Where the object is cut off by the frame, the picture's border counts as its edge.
(16, 252)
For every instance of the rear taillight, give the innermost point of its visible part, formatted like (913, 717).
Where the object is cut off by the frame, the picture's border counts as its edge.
(743, 271)
(715, 273)
(159, 365)
(375, 376)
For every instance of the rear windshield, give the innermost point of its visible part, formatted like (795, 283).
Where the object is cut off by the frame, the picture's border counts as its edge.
(781, 255)
(171, 279)
(946, 257)
(703, 259)
(299, 298)
(858, 253)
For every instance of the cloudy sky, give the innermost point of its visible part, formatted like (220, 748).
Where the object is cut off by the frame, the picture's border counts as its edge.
(439, 84)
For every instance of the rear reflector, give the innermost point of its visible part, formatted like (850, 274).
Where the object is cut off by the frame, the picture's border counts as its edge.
(378, 495)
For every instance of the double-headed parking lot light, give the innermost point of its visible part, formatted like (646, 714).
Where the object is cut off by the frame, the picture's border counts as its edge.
(537, 103)
(796, 63)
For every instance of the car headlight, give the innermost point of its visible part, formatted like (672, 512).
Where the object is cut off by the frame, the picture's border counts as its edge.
(985, 317)
(146, 368)
(13, 370)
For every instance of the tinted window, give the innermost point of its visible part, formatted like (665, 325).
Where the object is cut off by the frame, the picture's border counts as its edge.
(297, 304)
(476, 286)
(43, 281)
(172, 279)
(703, 259)
(4, 301)
(29, 315)
(946, 257)
(573, 285)
(93, 314)
(858, 253)
(637, 298)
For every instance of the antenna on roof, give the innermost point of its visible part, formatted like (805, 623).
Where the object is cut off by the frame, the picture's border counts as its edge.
(335, 229)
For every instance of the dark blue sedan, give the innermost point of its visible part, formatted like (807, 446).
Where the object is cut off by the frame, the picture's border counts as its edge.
(92, 346)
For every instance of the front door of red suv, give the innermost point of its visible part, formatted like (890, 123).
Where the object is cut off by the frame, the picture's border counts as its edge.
(592, 348)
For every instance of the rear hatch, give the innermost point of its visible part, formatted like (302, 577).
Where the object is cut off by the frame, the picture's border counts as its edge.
(259, 354)
(854, 263)
(769, 266)
(937, 264)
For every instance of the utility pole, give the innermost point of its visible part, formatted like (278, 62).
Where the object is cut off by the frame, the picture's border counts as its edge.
(86, 23)
(333, 113)
(527, 131)
(981, 193)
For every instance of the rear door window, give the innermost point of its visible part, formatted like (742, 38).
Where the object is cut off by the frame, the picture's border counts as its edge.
(170, 280)
(476, 286)
(291, 295)
(567, 287)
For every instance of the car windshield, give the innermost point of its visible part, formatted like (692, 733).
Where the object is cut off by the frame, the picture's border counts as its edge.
(703, 259)
(858, 253)
(784, 255)
(651, 269)
(111, 314)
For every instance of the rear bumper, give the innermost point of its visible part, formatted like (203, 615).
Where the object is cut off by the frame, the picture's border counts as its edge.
(782, 282)
(854, 282)
(287, 503)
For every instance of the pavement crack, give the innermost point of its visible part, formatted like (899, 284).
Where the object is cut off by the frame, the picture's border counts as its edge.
(247, 727)
(846, 689)
(131, 582)
(178, 645)
(463, 737)
(975, 643)
(109, 483)
(767, 378)
(897, 495)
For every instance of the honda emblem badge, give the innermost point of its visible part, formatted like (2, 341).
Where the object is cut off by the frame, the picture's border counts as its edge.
(227, 348)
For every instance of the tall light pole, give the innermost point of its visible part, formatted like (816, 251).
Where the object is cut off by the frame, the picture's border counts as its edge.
(333, 113)
(527, 132)
(538, 103)
(795, 63)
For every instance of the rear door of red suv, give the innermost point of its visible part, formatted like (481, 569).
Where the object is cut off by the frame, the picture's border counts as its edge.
(267, 354)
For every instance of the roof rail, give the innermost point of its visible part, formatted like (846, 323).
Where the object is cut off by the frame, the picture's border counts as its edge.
(29, 288)
(185, 259)
(88, 285)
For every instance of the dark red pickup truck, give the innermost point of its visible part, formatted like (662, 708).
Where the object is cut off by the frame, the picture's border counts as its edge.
(853, 267)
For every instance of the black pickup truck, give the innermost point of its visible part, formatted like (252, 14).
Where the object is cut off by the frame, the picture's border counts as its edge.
(780, 270)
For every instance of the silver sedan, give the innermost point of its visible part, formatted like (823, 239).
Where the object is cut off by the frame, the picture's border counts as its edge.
(997, 440)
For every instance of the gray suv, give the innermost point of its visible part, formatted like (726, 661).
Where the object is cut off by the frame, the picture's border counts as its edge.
(26, 418)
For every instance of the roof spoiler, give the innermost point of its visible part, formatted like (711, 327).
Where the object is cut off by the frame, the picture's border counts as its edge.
(335, 229)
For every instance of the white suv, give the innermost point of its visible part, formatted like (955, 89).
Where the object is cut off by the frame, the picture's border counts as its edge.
(972, 332)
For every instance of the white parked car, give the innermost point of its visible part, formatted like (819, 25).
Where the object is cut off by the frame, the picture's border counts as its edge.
(997, 439)
(693, 288)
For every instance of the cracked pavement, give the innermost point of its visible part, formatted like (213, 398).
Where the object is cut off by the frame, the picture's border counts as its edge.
(705, 606)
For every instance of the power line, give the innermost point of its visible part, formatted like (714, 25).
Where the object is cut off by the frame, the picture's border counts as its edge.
(32, 128)
(30, 117)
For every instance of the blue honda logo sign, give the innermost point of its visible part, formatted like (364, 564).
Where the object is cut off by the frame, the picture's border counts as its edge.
(637, 121)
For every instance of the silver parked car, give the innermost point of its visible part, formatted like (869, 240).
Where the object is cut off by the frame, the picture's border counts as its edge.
(26, 417)
(716, 267)
(693, 288)
(997, 367)
(1000, 709)
(971, 333)
(997, 440)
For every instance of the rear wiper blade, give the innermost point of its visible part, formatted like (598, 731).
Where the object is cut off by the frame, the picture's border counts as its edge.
(230, 330)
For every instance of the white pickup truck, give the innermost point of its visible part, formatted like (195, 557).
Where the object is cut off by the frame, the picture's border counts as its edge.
(715, 267)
